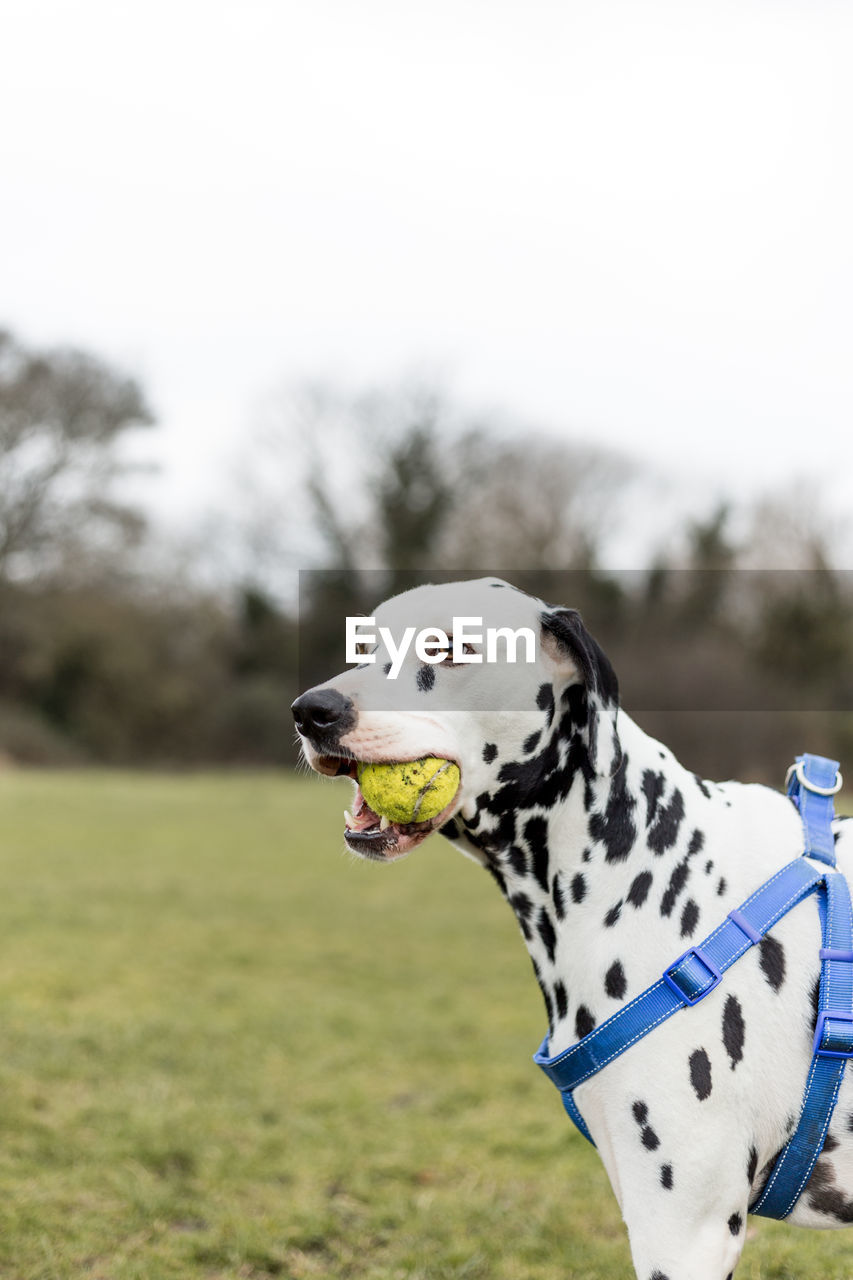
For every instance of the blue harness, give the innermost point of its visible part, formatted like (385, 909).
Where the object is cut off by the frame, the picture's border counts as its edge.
(812, 783)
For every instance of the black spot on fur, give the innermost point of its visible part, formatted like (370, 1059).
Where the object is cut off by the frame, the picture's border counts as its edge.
(666, 1177)
(561, 999)
(386, 668)
(639, 890)
(613, 914)
(547, 777)
(584, 1022)
(664, 833)
(546, 932)
(658, 1275)
(504, 833)
(523, 908)
(545, 701)
(709, 867)
(490, 752)
(751, 1165)
(615, 828)
(614, 981)
(689, 918)
(677, 881)
(829, 1144)
(649, 1139)
(700, 1074)
(536, 835)
(697, 843)
(815, 1000)
(735, 1224)
(825, 1196)
(522, 904)
(700, 783)
(586, 855)
(546, 994)
(559, 896)
(450, 830)
(771, 957)
(733, 1029)
(653, 787)
(517, 859)
(425, 678)
(578, 888)
(531, 743)
(721, 887)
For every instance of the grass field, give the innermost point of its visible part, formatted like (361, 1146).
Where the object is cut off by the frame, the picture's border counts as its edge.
(228, 1050)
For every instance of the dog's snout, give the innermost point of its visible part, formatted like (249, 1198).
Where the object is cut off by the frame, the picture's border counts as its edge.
(322, 713)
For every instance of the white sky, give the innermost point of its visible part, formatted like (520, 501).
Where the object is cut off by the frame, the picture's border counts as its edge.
(631, 221)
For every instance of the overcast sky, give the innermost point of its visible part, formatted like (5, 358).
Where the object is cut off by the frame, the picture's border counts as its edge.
(628, 221)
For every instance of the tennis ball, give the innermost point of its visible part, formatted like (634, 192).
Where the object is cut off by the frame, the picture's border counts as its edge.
(412, 791)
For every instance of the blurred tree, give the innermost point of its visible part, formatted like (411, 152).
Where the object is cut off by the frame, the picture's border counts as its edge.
(712, 554)
(401, 479)
(414, 494)
(61, 414)
(794, 528)
(525, 500)
(802, 605)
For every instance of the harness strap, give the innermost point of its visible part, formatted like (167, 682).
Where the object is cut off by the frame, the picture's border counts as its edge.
(812, 783)
(833, 1044)
(687, 981)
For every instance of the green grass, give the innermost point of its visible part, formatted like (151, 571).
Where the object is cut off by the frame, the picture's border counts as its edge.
(229, 1050)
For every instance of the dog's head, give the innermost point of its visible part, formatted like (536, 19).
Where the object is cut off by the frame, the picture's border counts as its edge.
(519, 730)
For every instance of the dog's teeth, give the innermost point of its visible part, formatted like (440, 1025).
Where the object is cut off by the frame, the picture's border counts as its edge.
(384, 824)
(349, 820)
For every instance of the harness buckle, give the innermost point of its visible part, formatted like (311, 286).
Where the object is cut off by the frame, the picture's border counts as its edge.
(833, 1042)
(797, 771)
(692, 992)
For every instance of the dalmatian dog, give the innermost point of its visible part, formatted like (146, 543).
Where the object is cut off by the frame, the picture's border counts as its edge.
(613, 857)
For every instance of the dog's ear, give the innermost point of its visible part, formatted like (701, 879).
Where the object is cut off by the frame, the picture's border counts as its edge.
(569, 639)
(576, 653)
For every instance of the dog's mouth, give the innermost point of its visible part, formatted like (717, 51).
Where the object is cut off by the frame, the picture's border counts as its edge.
(368, 834)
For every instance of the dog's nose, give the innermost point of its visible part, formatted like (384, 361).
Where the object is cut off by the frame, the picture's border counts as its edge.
(322, 712)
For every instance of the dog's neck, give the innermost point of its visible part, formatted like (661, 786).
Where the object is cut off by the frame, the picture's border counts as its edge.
(579, 846)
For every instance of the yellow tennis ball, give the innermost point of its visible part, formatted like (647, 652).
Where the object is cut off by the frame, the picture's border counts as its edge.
(412, 791)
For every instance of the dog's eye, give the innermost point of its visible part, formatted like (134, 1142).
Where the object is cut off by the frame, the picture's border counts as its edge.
(438, 650)
(363, 648)
(448, 651)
